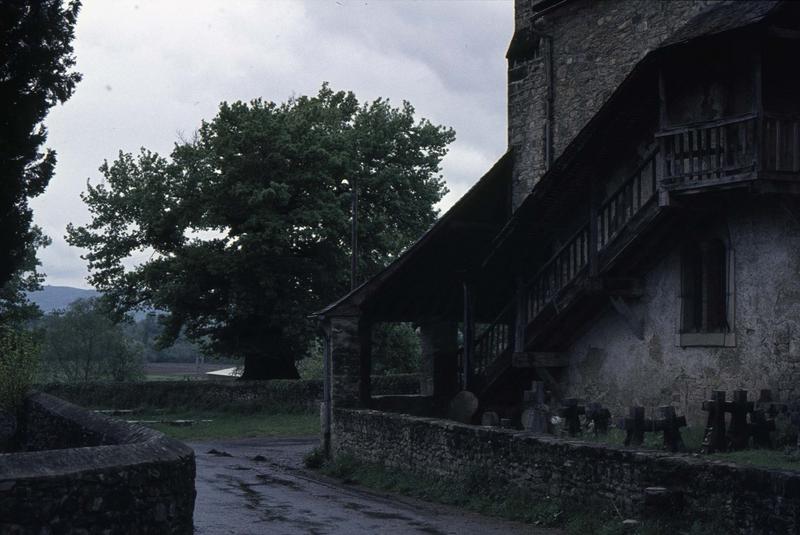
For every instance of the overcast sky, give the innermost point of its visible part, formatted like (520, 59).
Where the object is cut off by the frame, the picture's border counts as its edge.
(152, 69)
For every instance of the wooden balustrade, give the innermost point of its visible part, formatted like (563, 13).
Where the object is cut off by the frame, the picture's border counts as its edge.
(493, 342)
(559, 271)
(710, 151)
(781, 147)
(626, 201)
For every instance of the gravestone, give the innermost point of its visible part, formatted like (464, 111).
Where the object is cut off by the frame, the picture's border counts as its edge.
(599, 416)
(463, 407)
(670, 425)
(739, 430)
(571, 412)
(761, 428)
(536, 416)
(715, 439)
(635, 424)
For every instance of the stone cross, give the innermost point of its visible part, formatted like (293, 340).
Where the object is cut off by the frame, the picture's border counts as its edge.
(768, 405)
(739, 430)
(635, 424)
(760, 428)
(670, 425)
(599, 416)
(715, 439)
(571, 412)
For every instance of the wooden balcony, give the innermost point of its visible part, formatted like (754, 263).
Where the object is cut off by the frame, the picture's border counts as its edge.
(729, 153)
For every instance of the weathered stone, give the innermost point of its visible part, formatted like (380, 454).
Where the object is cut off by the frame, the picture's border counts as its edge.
(463, 407)
(87, 473)
(745, 499)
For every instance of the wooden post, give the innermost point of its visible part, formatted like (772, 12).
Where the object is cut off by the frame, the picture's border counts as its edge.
(469, 335)
(760, 134)
(521, 318)
(594, 269)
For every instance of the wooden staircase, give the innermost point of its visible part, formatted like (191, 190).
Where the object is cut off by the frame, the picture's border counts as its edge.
(564, 282)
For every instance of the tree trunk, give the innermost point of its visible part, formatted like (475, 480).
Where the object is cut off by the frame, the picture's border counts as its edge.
(259, 367)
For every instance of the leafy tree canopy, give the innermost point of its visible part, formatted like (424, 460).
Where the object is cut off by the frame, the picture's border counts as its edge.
(82, 343)
(15, 307)
(248, 224)
(35, 61)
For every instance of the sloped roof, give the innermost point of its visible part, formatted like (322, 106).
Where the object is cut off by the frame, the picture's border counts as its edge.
(720, 19)
(439, 252)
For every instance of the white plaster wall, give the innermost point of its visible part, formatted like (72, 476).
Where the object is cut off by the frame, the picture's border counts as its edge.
(610, 365)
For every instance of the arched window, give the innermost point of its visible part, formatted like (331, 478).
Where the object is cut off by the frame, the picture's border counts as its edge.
(706, 294)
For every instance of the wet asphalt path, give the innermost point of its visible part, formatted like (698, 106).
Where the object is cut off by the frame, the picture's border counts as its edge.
(240, 493)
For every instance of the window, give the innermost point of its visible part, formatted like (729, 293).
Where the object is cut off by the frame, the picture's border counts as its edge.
(706, 295)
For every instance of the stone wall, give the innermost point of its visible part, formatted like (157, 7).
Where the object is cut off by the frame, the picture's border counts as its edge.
(594, 44)
(609, 364)
(278, 396)
(745, 499)
(86, 473)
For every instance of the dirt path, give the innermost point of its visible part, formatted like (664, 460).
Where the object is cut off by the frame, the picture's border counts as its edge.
(237, 494)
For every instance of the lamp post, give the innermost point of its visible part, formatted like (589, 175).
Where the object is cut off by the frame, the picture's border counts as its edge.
(353, 230)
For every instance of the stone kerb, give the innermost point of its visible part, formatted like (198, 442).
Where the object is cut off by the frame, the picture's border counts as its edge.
(746, 499)
(96, 474)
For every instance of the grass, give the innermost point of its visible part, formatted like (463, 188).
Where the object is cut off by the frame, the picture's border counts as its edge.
(761, 458)
(482, 492)
(693, 440)
(163, 377)
(232, 425)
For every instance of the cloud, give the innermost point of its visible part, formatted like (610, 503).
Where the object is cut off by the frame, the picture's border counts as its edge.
(154, 70)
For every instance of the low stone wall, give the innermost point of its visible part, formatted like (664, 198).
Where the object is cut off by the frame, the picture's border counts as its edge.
(744, 499)
(87, 473)
(278, 395)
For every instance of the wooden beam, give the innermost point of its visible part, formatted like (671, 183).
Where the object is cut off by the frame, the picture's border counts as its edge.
(535, 359)
(469, 334)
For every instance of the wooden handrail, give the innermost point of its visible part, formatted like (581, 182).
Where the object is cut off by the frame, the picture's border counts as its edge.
(702, 125)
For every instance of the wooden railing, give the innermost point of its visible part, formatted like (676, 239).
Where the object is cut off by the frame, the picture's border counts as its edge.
(709, 151)
(627, 200)
(697, 154)
(781, 147)
(495, 340)
(613, 215)
(557, 273)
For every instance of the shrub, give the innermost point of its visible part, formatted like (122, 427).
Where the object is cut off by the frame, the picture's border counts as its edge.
(18, 362)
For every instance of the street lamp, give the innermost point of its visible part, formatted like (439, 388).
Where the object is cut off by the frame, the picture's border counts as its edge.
(353, 230)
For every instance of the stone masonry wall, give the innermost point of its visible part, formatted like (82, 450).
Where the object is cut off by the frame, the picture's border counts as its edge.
(609, 364)
(86, 473)
(595, 44)
(744, 499)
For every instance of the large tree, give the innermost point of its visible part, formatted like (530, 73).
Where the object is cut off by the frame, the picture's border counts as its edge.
(35, 74)
(248, 224)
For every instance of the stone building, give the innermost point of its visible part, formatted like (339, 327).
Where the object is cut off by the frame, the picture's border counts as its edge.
(639, 243)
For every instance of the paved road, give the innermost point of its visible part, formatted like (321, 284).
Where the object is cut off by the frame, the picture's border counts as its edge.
(237, 494)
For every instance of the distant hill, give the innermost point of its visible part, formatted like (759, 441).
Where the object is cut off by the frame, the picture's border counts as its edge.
(52, 298)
